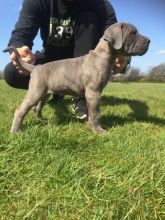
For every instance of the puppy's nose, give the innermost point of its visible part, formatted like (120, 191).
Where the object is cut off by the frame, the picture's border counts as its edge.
(148, 40)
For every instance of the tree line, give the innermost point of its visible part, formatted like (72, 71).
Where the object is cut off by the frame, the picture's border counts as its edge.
(1, 75)
(155, 74)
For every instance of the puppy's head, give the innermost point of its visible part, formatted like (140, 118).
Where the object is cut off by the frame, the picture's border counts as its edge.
(126, 38)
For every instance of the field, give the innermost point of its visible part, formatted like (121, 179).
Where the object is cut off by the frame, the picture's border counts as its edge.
(57, 169)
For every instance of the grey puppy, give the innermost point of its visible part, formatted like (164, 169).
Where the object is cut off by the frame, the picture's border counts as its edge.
(85, 76)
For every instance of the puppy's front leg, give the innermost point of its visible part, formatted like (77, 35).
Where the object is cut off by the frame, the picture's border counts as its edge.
(93, 104)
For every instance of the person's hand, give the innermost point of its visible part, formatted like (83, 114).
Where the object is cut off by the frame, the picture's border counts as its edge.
(26, 55)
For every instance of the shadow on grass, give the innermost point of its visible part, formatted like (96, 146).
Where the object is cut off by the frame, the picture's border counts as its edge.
(139, 112)
(61, 111)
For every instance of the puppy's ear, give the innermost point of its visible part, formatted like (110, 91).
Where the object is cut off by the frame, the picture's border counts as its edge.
(114, 36)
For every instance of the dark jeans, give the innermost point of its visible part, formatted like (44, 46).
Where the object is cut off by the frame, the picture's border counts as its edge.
(86, 37)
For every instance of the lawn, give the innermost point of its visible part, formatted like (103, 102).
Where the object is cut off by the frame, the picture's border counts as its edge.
(56, 168)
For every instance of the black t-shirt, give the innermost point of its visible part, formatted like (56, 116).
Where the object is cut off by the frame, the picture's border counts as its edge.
(56, 20)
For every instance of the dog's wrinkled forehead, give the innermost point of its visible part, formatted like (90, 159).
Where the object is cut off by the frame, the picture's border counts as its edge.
(117, 33)
(129, 28)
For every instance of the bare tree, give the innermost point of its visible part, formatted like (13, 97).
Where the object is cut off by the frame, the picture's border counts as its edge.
(133, 74)
(157, 73)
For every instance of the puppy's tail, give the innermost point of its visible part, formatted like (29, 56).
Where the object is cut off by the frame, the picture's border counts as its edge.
(23, 64)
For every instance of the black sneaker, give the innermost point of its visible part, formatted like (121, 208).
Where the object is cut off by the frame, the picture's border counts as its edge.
(79, 107)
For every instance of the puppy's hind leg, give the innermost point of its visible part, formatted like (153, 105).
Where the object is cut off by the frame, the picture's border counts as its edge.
(29, 101)
(38, 108)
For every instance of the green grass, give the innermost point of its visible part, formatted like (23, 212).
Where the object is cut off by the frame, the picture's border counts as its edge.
(57, 169)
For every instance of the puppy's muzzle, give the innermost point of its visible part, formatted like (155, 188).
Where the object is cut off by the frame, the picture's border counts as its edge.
(142, 45)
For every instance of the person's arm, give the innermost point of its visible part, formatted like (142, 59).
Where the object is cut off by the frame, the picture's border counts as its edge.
(25, 31)
(27, 25)
(105, 12)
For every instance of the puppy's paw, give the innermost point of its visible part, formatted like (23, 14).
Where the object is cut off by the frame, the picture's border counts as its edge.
(37, 112)
(14, 131)
(100, 131)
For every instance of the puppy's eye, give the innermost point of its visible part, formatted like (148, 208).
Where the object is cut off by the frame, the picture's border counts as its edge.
(134, 32)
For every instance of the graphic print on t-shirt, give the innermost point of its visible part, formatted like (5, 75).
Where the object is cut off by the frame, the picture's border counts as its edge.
(60, 31)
